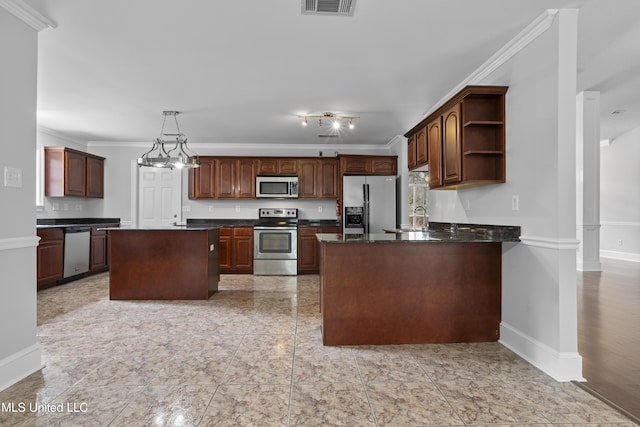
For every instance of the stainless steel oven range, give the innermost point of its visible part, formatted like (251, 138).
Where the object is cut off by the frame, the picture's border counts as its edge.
(275, 242)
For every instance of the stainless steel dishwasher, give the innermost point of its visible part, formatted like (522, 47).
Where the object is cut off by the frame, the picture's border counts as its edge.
(76, 251)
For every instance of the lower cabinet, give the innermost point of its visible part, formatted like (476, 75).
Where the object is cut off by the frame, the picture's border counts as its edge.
(50, 257)
(236, 250)
(99, 249)
(308, 249)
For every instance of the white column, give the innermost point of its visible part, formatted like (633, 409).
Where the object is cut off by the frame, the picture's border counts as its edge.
(588, 180)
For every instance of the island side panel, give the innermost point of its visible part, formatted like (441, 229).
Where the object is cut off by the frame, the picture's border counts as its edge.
(160, 264)
(213, 260)
(410, 293)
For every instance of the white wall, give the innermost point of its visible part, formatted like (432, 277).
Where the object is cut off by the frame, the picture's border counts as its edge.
(66, 207)
(120, 172)
(19, 349)
(539, 316)
(620, 198)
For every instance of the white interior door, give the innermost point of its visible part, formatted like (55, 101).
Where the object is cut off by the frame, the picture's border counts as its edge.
(159, 196)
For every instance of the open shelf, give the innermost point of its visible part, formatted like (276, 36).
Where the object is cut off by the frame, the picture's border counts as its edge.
(483, 123)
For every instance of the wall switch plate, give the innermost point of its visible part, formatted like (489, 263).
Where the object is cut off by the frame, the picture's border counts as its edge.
(319, 208)
(237, 208)
(12, 177)
(515, 202)
(210, 208)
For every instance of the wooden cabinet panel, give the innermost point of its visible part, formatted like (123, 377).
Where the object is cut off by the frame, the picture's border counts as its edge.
(421, 147)
(236, 250)
(307, 179)
(328, 184)
(225, 182)
(98, 252)
(243, 249)
(411, 152)
(50, 257)
(451, 145)
(368, 165)
(245, 179)
(277, 166)
(355, 165)
(434, 137)
(225, 249)
(202, 182)
(73, 173)
(95, 177)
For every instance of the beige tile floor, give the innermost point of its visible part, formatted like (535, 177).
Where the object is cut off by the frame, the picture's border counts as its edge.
(252, 356)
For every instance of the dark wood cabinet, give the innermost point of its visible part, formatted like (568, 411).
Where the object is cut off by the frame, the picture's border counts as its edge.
(434, 137)
(328, 185)
(411, 152)
(353, 164)
(318, 178)
(421, 147)
(73, 173)
(451, 162)
(236, 250)
(277, 166)
(202, 183)
(223, 178)
(99, 248)
(466, 139)
(50, 257)
(308, 248)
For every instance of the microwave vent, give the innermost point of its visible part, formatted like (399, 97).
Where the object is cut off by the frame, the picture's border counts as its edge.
(328, 7)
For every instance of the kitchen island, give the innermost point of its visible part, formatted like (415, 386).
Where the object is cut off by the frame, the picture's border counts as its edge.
(164, 263)
(441, 286)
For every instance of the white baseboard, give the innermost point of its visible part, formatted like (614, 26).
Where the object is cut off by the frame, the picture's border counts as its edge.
(622, 256)
(20, 365)
(561, 366)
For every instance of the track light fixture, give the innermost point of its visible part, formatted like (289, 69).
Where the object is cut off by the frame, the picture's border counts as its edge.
(336, 120)
(179, 156)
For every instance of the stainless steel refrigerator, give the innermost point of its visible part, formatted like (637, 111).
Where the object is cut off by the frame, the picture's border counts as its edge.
(369, 204)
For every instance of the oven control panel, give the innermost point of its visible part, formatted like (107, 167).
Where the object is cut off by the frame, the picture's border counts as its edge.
(278, 213)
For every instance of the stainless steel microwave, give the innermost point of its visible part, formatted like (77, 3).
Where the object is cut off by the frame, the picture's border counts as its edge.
(277, 187)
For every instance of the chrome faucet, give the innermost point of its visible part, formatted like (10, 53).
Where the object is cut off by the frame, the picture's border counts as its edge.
(425, 218)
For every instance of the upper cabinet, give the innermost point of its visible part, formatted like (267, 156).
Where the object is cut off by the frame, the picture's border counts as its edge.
(70, 172)
(318, 178)
(277, 166)
(465, 138)
(368, 165)
(223, 178)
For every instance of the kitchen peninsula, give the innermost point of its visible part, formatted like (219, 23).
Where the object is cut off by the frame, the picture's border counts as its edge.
(164, 263)
(440, 286)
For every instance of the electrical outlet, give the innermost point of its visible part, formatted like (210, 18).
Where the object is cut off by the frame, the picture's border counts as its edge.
(186, 208)
(619, 242)
(515, 202)
(211, 209)
(237, 208)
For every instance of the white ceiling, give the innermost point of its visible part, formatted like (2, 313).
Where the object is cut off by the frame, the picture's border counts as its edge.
(241, 71)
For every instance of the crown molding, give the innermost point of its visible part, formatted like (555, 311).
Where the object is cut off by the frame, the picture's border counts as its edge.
(531, 32)
(27, 14)
(59, 135)
(252, 145)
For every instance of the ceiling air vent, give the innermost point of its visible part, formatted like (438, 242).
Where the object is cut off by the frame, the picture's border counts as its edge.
(328, 7)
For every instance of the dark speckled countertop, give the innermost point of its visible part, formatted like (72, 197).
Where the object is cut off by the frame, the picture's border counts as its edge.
(74, 222)
(252, 222)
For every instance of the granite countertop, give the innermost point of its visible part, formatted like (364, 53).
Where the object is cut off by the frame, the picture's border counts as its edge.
(74, 222)
(252, 222)
(162, 228)
(438, 232)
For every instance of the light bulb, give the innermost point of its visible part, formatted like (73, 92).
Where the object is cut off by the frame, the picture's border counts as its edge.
(351, 124)
(336, 124)
(304, 122)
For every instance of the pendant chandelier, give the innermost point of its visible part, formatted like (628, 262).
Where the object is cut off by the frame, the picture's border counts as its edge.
(170, 153)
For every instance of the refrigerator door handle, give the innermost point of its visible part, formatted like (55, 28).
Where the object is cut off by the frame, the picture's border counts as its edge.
(365, 213)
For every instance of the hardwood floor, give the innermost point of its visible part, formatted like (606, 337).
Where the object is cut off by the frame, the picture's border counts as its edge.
(609, 332)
